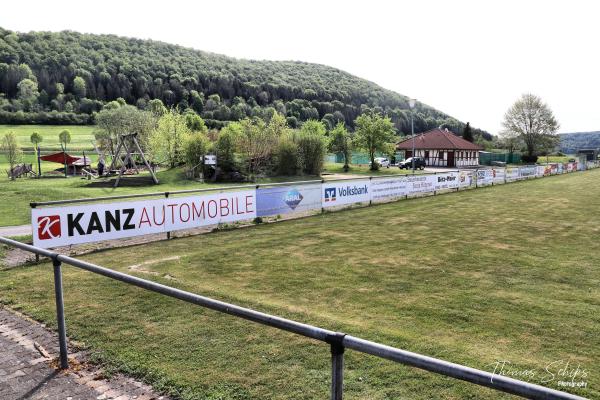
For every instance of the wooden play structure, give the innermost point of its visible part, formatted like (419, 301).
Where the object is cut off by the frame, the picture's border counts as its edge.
(130, 148)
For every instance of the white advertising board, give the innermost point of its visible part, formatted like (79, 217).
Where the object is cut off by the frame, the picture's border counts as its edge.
(512, 174)
(447, 181)
(345, 192)
(499, 175)
(527, 172)
(485, 177)
(388, 188)
(59, 226)
(465, 178)
(420, 183)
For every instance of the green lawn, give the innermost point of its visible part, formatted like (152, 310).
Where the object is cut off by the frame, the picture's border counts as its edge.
(508, 272)
(81, 136)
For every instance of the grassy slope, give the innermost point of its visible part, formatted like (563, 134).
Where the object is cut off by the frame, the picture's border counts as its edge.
(503, 273)
(81, 136)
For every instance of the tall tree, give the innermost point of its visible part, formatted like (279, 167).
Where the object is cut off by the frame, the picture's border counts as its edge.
(341, 142)
(64, 138)
(12, 151)
(374, 133)
(467, 133)
(532, 120)
(167, 140)
(79, 89)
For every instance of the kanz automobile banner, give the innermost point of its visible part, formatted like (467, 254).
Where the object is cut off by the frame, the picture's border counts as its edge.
(388, 188)
(339, 193)
(287, 199)
(61, 226)
(446, 181)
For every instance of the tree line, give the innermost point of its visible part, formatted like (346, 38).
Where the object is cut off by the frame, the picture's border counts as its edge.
(68, 77)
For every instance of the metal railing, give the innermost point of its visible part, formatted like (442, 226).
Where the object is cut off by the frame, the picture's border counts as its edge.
(338, 341)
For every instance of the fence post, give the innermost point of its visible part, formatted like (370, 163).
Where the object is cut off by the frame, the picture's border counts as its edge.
(370, 199)
(60, 313)
(476, 178)
(168, 232)
(32, 206)
(337, 365)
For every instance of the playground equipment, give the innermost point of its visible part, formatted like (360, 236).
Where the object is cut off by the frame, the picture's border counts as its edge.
(128, 144)
(21, 170)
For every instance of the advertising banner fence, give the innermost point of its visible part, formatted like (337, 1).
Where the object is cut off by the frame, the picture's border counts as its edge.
(383, 189)
(75, 224)
(339, 193)
(62, 226)
(287, 199)
(485, 177)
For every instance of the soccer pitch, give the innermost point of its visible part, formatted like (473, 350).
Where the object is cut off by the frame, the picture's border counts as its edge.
(509, 273)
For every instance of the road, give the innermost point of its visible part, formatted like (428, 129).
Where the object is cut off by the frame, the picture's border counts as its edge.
(20, 230)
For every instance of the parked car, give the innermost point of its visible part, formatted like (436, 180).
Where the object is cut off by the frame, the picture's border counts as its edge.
(407, 164)
(382, 161)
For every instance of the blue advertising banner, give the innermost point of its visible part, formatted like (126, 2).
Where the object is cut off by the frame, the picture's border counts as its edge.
(287, 199)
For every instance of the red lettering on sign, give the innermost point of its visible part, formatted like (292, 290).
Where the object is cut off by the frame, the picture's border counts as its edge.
(154, 216)
(198, 212)
(49, 227)
(249, 204)
(187, 218)
(214, 204)
(224, 205)
(172, 212)
(144, 219)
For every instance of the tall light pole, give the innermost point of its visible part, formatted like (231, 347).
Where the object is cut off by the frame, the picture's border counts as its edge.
(411, 104)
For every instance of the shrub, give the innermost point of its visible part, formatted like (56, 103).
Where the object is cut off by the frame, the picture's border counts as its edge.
(194, 147)
(287, 156)
(527, 159)
(311, 152)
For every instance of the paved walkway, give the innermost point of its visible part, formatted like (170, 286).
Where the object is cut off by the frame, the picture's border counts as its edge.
(19, 230)
(28, 357)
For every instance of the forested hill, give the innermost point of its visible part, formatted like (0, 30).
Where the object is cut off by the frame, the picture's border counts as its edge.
(571, 142)
(66, 75)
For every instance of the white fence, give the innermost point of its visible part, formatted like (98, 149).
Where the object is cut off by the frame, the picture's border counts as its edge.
(74, 224)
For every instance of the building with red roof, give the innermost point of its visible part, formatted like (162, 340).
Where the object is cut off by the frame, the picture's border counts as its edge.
(441, 148)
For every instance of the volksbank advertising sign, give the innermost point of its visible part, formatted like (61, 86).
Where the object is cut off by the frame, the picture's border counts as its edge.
(61, 226)
(346, 192)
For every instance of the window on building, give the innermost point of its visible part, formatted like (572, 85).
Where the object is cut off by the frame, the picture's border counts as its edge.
(426, 154)
(442, 154)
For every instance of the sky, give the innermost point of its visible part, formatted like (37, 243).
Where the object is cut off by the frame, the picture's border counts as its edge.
(470, 59)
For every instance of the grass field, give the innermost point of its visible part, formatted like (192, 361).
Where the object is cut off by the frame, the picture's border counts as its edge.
(81, 136)
(505, 273)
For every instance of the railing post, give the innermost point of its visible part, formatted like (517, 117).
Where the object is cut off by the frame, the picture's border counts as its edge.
(337, 365)
(60, 313)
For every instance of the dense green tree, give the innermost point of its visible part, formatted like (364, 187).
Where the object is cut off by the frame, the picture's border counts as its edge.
(312, 143)
(374, 133)
(167, 140)
(341, 142)
(219, 88)
(79, 89)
